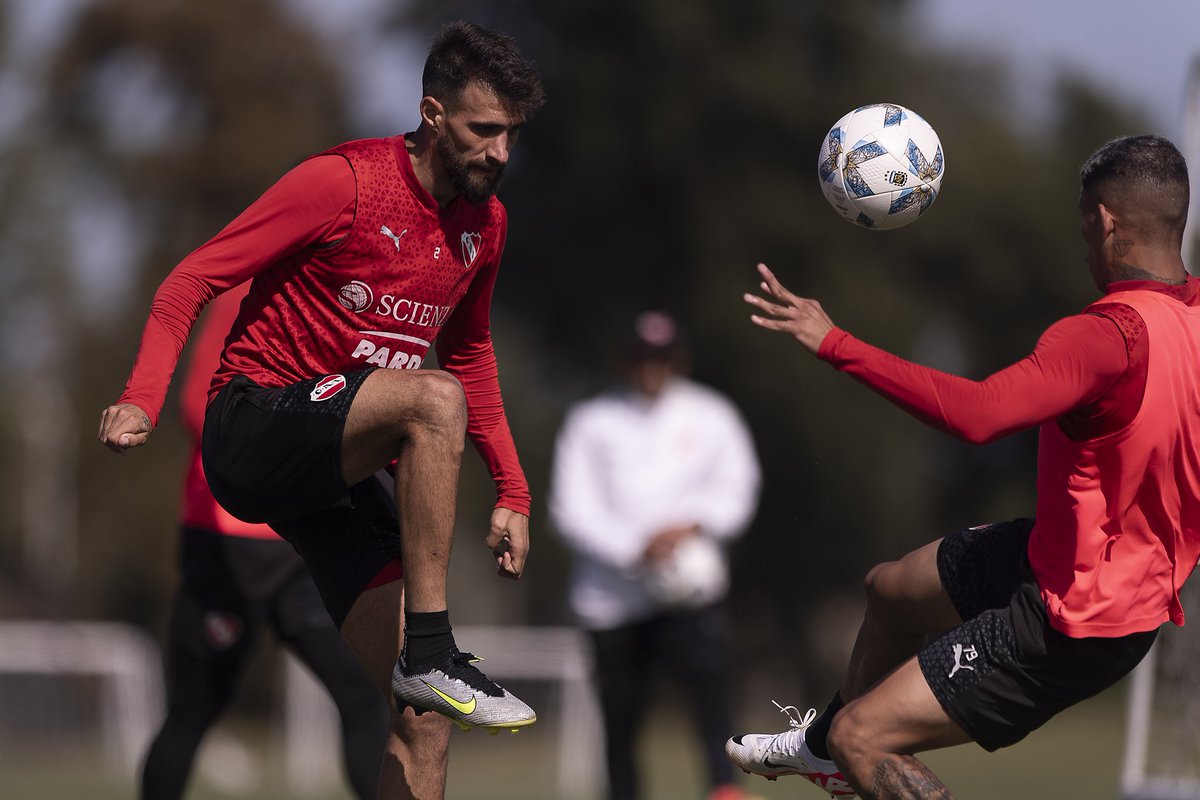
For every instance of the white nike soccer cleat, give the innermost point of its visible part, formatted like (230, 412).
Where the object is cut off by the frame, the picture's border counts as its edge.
(775, 754)
(458, 690)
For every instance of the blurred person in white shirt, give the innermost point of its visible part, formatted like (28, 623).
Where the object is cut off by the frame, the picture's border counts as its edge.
(651, 480)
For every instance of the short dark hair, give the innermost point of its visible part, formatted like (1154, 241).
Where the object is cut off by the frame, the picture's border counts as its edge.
(1143, 178)
(464, 52)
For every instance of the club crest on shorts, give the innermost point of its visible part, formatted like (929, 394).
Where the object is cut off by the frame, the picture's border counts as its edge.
(327, 387)
(222, 630)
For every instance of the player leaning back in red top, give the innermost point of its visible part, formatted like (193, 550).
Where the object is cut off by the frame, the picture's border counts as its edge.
(360, 258)
(1031, 616)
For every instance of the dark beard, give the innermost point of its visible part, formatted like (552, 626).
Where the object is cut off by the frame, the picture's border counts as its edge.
(475, 187)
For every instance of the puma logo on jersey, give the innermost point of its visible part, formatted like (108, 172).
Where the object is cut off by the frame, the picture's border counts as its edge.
(395, 237)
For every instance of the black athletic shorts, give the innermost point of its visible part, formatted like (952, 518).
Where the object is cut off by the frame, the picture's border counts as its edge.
(1005, 671)
(231, 586)
(274, 455)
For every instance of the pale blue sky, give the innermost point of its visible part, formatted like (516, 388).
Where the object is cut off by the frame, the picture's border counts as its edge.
(1140, 50)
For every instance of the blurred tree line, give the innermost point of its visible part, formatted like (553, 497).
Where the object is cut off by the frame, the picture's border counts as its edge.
(677, 149)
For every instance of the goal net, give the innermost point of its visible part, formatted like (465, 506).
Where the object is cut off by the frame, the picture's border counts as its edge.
(1162, 738)
(76, 692)
(78, 687)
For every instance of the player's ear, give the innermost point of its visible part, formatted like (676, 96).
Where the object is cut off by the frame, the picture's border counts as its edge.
(1108, 222)
(432, 112)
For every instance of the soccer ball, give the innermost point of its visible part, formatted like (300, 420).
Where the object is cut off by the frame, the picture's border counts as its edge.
(881, 166)
(692, 576)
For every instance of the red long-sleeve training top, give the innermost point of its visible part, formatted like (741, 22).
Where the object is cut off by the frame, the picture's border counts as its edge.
(1111, 544)
(428, 273)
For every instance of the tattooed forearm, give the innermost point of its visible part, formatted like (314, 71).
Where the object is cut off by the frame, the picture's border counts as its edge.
(906, 778)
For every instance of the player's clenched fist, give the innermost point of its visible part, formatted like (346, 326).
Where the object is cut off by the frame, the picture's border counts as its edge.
(508, 539)
(124, 426)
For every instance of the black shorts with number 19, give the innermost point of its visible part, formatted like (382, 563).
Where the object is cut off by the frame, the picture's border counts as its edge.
(1005, 671)
(274, 455)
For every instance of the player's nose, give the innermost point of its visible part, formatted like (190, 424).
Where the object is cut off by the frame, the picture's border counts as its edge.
(498, 150)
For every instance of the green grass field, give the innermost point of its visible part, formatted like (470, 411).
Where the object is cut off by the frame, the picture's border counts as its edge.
(1075, 757)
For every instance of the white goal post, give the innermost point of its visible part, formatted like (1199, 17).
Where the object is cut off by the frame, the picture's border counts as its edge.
(556, 654)
(122, 661)
(1162, 735)
(99, 686)
(1170, 774)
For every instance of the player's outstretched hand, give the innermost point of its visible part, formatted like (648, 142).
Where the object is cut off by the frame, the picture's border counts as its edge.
(124, 426)
(509, 542)
(783, 311)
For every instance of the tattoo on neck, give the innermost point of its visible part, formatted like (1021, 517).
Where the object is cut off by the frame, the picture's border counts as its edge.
(906, 778)
(1123, 271)
(1123, 246)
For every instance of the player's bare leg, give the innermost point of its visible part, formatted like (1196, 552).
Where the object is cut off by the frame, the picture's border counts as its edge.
(415, 762)
(905, 603)
(874, 737)
(417, 417)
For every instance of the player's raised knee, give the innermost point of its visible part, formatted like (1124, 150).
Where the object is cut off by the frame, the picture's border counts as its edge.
(444, 391)
(882, 586)
(441, 400)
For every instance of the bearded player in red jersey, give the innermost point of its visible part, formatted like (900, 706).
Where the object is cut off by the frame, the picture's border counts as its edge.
(1032, 616)
(236, 578)
(359, 258)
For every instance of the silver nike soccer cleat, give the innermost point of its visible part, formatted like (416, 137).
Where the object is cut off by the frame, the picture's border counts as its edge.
(458, 690)
(775, 754)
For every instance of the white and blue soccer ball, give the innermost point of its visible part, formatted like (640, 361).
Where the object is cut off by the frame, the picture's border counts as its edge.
(881, 166)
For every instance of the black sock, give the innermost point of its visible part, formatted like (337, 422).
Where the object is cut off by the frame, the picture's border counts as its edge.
(818, 732)
(427, 640)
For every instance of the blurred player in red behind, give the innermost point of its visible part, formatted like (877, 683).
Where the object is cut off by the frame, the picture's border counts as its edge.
(237, 577)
